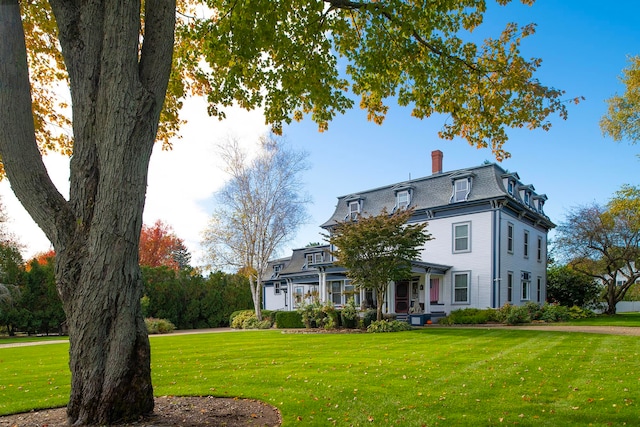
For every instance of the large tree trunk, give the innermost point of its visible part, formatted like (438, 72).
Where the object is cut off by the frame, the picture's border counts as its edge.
(117, 90)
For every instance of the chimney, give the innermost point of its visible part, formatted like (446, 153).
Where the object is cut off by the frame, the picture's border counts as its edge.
(436, 161)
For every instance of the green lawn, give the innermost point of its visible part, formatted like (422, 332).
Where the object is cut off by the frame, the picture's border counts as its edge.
(443, 376)
(620, 319)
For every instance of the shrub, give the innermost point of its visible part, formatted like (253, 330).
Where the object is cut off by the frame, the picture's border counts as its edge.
(349, 314)
(515, 314)
(388, 326)
(289, 319)
(158, 326)
(554, 313)
(576, 312)
(369, 316)
(238, 318)
(468, 316)
(318, 315)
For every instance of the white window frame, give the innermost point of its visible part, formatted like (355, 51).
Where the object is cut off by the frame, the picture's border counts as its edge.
(298, 295)
(525, 281)
(539, 254)
(403, 199)
(510, 234)
(525, 245)
(350, 291)
(276, 288)
(511, 186)
(353, 213)
(317, 257)
(467, 287)
(333, 285)
(456, 226)
(460, 193)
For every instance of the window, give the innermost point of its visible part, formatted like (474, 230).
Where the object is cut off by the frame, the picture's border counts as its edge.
(354, 209)
(314, 258)
(526, 285)
(350, 291)
(277, 268)
(461, 237)
(461, 288)
(527, 198)
(336, 292)
(276, 288)
(510, 238)
(402, 199)
(539, 289)
(434, 287)
(298, 295)
(539, 256)
(460, 190)
(509, 286)
(510, 187)
(526, 244)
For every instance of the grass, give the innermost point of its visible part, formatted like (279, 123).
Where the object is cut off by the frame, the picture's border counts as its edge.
(461, 377)
(21, 339)
(620, 319)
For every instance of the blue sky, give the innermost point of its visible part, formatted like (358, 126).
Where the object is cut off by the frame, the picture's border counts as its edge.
(584, 46)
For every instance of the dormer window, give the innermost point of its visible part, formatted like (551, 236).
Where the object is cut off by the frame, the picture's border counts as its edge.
(403, 198)
(354, 210)
(527, 198)
(510, 187)
(314, 258)
(461, 189)
(277, 268)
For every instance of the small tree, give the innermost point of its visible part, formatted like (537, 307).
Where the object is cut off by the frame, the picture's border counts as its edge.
(378, 249)
(568, 287)
(258, 210)
(604, 243)
(159, 246)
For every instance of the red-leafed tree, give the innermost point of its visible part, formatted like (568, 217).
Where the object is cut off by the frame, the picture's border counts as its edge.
(159, 246)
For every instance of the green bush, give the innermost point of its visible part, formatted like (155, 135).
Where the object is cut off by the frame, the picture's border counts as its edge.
(318, 315)
(469, 316)
(554, 313)
(369, 316)
(289, 320)
(388, 326)
(158, 326)
(576, 312)
(237, 321)
(349, 314)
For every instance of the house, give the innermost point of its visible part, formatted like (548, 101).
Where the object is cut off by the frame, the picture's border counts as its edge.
(489, 246)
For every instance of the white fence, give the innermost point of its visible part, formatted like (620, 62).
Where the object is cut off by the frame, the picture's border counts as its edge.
(627, 306)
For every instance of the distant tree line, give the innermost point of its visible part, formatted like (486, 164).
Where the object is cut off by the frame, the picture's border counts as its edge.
(29, 301)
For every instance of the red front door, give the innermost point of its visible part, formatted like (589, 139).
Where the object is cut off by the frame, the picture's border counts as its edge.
(402, 297)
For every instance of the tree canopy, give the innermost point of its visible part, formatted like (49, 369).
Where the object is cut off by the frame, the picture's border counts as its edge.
(378, 249)
(160, 246)
(622, 120)
(604, 243)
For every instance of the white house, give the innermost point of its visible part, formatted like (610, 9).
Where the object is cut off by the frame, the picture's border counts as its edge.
(489, 246)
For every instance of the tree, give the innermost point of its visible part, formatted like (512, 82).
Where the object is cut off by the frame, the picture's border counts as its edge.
(159, 246)
(378, 249)
(622, 120)
(259, 209)
(604, 243)
(568, 287)
(117, 58)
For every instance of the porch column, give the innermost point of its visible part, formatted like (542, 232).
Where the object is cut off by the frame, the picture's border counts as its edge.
(427, 291)
(322, 287)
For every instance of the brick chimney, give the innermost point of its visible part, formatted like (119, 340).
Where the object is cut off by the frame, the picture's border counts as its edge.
(436, 161)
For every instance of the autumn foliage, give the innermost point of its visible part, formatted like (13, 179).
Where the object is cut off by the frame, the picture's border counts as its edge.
(159, 246)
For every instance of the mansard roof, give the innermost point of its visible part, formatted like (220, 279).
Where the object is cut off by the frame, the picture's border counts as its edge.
(434, 192)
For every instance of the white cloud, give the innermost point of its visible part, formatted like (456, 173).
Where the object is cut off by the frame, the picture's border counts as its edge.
(181, 182)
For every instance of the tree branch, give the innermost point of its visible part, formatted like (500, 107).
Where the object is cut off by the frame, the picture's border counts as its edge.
(22, 159)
